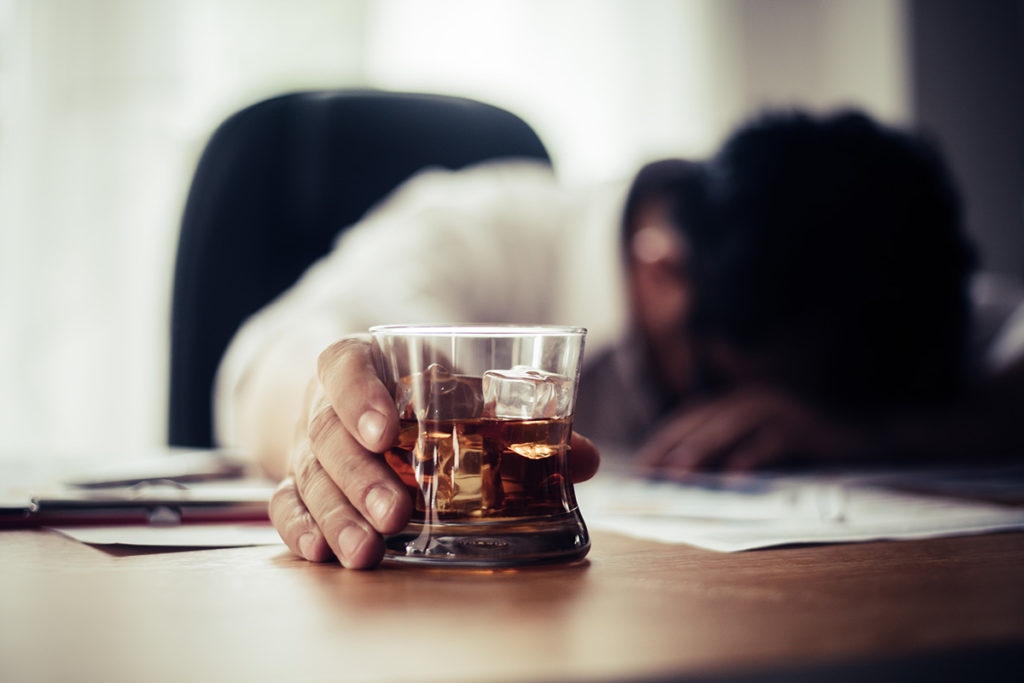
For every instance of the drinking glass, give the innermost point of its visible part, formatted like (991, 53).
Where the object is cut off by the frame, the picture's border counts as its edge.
(486, 418)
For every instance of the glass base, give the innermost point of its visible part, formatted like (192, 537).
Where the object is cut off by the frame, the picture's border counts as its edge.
(513, 543)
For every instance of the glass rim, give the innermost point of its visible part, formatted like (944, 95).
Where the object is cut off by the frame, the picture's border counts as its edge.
(477, 330)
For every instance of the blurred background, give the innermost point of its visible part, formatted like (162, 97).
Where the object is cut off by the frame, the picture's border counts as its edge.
(105, 106)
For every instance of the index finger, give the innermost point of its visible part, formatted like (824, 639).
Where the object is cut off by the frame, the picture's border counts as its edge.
(360, 399)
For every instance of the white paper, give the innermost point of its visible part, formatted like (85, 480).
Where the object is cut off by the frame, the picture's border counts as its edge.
(182, 536)
(733, 513)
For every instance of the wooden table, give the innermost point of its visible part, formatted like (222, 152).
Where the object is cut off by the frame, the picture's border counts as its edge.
(633, 609)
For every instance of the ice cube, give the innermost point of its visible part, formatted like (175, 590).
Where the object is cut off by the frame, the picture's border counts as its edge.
(455, 473)
(436, 394)
(476, 486)
(526, 393)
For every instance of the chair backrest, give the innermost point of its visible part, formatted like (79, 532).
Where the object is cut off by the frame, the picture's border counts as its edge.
(275, 185)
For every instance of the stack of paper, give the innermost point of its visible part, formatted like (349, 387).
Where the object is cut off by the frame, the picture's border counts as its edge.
(733, 513)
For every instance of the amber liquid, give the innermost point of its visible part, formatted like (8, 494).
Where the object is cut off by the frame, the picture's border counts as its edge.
(484, 469)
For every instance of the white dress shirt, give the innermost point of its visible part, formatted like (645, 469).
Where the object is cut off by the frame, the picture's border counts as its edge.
(498, 242)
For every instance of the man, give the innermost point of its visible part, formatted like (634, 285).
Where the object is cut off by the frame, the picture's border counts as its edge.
(801, 296)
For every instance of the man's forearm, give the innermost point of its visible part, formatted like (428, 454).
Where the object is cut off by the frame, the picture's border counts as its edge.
(268, 403)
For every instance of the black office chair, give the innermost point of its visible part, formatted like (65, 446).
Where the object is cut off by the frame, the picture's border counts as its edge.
(275, 185)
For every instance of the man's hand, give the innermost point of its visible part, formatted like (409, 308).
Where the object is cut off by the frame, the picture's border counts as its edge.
(340, 495)
(750, 429)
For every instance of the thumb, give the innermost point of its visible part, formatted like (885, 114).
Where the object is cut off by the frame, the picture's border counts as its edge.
(584, 458)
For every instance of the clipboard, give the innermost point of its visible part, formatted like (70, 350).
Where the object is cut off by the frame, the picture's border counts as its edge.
(200, 486)
(155, 504)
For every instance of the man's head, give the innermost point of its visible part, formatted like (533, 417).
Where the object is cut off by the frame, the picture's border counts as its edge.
(827, 255)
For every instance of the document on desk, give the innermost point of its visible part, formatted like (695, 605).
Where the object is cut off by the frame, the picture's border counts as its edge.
(201, 515)
(178, 536)
(734, 513)
(173, 499)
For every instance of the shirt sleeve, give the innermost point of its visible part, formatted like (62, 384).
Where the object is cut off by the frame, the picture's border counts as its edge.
(1008, 347)
(478, 245)
(997, 303)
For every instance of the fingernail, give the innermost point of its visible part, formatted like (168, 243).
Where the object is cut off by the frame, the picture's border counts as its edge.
(371, 426)
(380, 501)
(307, 546)
(350, 540)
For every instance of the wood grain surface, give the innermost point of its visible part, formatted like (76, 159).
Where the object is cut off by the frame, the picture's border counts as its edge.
(632, 609)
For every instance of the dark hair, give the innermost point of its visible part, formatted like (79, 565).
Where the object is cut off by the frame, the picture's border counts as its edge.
(834, 243)
(675, 181)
